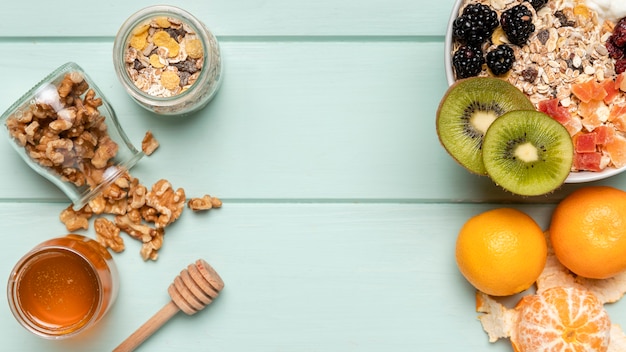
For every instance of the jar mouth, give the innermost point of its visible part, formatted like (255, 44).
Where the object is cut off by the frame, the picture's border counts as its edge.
(111, 174)
(207, 40)
(38, 326)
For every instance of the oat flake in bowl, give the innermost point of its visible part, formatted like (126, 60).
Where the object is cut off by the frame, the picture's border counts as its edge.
(559, 66)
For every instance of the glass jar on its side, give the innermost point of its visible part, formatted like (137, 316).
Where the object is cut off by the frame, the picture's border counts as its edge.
(63, 286)
(167, 60)
(66, 131)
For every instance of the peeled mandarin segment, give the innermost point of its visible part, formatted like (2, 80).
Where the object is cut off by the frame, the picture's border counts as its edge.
(566, 318)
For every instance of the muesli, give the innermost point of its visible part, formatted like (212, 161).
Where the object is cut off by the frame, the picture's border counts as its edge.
(561, 61)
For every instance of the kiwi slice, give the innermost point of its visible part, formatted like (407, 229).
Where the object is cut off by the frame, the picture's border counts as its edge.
(467, 110)
(528, 152)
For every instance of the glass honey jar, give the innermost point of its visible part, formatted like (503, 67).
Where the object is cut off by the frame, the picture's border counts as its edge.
(63, 286)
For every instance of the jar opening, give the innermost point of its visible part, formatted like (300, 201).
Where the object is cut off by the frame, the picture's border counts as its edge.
(167, 60)
(56, 292)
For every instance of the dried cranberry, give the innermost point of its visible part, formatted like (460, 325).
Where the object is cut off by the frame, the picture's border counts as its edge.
(615, 52)
(619, 33)
(620, 65)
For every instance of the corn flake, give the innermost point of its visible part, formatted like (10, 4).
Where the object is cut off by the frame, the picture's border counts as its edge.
(155, 61)
(194, 48)
(163, 39)
(170, 80)
(162, 22)
(141, 29)
(139, 41)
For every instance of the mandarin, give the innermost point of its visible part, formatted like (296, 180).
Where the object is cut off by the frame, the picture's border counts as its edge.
(501, 252)
(588, 231)
(562, 319)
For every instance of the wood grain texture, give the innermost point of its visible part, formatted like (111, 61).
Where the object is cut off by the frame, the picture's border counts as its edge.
(340, 207)
(245, 18)
(299, 277)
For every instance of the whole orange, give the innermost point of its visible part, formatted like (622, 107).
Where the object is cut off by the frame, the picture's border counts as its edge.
(501, 252)
(588, 231)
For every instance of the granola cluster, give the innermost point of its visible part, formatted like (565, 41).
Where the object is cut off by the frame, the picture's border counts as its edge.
(63, 131)
(164, 57)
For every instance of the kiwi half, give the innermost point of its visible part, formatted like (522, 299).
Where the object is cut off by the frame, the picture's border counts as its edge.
(528, 152)
(467, 110)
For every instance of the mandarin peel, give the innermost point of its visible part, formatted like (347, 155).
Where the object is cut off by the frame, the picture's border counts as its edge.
(557, 290)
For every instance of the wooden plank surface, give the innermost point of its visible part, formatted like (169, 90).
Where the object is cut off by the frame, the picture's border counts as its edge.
(242, 18)
(340, 207)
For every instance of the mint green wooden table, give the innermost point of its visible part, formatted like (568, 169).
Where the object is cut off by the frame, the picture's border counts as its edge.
(340, 207)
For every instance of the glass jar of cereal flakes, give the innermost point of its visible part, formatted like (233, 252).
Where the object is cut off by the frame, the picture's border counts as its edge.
(167, 60)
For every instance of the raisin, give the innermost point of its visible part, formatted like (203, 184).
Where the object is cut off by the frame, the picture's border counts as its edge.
(137, 65)
(530, 74)
(177, 34)
(543, 36)
(188, 65)
(184, 78)
(565, 22)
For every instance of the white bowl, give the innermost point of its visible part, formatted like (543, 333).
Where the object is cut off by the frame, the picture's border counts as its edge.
(574, 177)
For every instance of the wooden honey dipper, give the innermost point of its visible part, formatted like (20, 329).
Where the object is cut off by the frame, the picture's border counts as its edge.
(192, 290)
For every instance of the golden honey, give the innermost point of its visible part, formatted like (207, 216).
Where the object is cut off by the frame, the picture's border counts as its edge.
(63, 286)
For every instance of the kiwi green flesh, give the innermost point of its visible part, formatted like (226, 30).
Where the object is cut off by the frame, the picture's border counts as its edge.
(527, 153)
(467, 110)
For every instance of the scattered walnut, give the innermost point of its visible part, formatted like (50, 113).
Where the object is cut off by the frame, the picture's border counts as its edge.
(151, 238)
(149, 250)
(149, 144)
(137, 195)
(139, 231)
(75, 219)
(63, 130)
(108, 234)
(205, 203)
(168, 203)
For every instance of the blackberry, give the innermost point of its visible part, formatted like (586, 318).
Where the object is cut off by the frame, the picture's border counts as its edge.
(501, 59)
(475, 25)
(468, 61)
(537, 4)
(517, 23)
